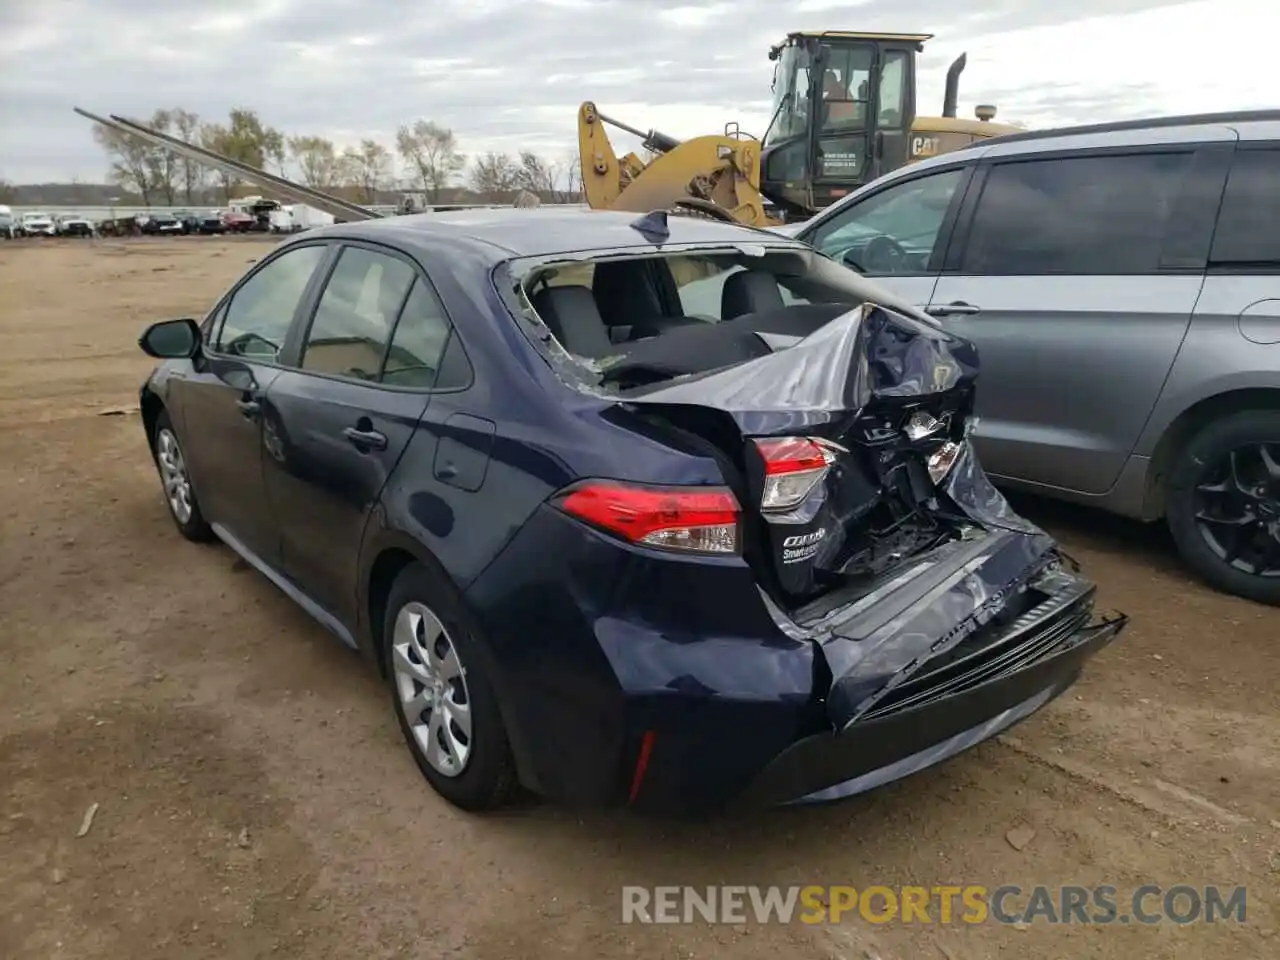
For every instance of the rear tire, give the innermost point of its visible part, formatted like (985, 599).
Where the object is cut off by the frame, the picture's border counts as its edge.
(1202, 484)
(443, 698)
(179, 494)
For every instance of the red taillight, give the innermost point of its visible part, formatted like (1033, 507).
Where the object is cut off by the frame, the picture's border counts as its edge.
(793, 466)
(698, 519)
(790, 455)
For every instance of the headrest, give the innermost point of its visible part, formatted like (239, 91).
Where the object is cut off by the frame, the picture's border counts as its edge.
(570, 312)
(749, 291)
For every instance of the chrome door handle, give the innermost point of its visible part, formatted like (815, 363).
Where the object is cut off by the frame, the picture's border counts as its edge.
(365, 440)
(956, 308)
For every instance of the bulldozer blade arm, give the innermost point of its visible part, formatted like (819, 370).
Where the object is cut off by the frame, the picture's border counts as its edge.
(286, 189)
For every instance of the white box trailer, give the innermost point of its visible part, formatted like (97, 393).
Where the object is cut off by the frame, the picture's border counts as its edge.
(298, 216)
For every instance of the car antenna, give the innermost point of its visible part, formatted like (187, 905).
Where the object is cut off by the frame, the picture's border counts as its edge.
(653, 226)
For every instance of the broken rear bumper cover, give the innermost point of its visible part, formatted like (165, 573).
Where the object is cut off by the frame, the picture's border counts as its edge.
(893, 709)
(670, 688)
(897, 742)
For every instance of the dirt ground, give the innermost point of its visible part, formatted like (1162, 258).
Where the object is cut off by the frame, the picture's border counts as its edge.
(254, 799)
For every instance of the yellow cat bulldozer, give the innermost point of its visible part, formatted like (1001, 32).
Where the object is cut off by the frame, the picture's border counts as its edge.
(843, 113)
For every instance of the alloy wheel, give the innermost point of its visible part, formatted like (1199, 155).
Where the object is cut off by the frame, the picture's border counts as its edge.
(431, 683)
(1237, 509)
(173, 474)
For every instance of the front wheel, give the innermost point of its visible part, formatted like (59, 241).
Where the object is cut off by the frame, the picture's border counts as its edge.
(1223, 504)
(171, 462)
(445, 702)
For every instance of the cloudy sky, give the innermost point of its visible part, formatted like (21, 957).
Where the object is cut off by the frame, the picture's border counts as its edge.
(509, 74)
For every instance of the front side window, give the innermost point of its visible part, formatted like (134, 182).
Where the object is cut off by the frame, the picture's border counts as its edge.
(1075, 215)
(1248, 232)
(356, 312)
(260, 312)
(893, 231)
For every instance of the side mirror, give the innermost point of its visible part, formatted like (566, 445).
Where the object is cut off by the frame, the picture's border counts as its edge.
(171, 339)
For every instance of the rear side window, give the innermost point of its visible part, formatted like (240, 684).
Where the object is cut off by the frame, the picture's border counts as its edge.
(1248, 232)
(419, 342)
(357, 310)
(1076, 215)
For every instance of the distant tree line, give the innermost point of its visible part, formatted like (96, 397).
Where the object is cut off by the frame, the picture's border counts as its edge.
(425, 158)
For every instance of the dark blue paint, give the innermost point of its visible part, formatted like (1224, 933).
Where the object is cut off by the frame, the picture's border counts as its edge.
(591, 642)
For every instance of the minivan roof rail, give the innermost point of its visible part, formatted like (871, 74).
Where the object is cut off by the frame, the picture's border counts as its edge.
(1149, 123)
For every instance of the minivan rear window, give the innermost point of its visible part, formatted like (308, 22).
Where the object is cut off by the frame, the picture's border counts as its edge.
(1248, 232)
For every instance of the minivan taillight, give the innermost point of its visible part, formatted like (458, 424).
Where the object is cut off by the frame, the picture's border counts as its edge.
(689, 519)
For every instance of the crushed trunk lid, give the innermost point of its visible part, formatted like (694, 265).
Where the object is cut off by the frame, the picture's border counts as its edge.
(855, 464)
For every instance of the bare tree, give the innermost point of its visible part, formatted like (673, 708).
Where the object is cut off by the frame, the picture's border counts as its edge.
(192, 176)
(572, 192)
(163, 165)
(244, 138)
(537, 175)
(495, 175)
(369, 166)
(432, 151)
(217, 138)
(273, 149)
(130, 167)
(8, 192)
(317, 160)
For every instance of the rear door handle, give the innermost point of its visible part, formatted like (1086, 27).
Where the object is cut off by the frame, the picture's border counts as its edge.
(953, 309)
(364, 440)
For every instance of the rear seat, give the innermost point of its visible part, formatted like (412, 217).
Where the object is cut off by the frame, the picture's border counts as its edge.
(571, 314)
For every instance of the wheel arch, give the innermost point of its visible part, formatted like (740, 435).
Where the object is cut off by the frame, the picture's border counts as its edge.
(151, 406)
(388, 557)
(1187, 424)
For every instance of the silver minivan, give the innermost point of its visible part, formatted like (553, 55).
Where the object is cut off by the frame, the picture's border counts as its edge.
(1122, 283)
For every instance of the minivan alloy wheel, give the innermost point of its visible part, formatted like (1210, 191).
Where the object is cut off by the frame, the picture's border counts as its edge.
(173, 474)
(1237, 509)
(431, 683)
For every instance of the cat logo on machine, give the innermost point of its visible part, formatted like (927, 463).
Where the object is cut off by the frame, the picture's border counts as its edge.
(922, 146)
(802, 546)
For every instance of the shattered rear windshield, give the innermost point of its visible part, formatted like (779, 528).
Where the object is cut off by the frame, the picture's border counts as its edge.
(615, 320)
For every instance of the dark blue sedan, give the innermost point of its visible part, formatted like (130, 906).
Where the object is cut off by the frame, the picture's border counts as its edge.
(626, 509)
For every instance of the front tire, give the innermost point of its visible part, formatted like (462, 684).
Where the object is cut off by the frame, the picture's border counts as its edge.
(443, 698)
(179, 494)
(1223, 504)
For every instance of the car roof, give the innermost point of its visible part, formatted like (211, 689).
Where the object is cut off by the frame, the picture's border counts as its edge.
(1193, 121)
(525, 232)
(1188, 128)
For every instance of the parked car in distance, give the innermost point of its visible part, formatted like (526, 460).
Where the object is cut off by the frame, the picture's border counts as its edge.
(36, 224)
(601, 546)
(1122, 285)
(237, 221)
(8, 226)
(74, 227)
(161, 224)
(190, 221)
(211, 223)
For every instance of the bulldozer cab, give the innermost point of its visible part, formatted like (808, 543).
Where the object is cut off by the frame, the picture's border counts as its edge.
(843, 105)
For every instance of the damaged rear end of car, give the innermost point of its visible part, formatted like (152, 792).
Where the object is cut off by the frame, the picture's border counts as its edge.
(925, 613)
